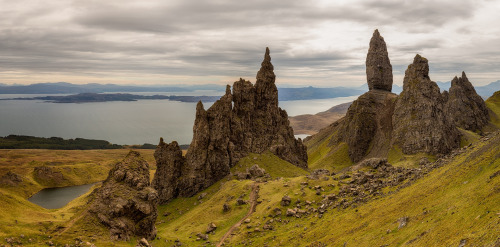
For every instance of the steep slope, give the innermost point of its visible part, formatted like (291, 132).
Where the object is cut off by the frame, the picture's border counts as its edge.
(493, 104)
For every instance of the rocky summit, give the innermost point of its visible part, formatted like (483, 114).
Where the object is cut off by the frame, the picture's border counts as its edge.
(419, 121)
(465, 107)
(246, 120)
(378, 65)
(126, 203)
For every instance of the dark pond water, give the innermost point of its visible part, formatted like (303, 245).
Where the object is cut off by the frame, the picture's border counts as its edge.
(52, 198)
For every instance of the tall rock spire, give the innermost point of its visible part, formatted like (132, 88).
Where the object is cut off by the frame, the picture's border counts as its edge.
(266, 91)
(378, 65)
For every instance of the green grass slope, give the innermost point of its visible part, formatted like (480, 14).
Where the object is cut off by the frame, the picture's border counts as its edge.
(457, 202)
(493, 104)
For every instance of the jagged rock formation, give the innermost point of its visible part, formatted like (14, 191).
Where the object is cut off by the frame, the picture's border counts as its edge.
(248, 120)
(465, 107)
(378, 65)
(126, 203)
(419, 121)
(367, 126)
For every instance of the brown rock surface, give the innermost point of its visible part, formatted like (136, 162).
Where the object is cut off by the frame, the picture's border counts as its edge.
(248, 120)
(367, 126)
(419, 121)
(125, 203)
(378, 65)
(465, 107)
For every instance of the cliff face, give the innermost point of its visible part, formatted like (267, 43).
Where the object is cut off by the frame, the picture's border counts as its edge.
(420, 123)
(248, 120)
(464, 106)
(126, 203)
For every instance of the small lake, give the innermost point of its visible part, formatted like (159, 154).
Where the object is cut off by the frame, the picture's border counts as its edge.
(52, 198)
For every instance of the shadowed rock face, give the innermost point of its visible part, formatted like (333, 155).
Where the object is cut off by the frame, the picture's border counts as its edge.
(248, 120)
(464, 106)
(419, 121)
(378, 65)
(367, 126)
(126, 203)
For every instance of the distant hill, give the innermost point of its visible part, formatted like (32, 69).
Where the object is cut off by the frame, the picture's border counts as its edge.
(310, 124)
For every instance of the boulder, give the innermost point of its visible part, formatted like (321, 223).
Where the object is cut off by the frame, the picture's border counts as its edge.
(285, 201)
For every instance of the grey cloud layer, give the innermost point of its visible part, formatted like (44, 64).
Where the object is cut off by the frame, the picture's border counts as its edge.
(224, 38)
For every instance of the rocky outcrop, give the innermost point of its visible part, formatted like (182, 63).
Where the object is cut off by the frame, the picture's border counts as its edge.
(378, 65)
(367, 126)
(419, 121)
(169, 163)
(246, 120)
(126, 203)
(464, 106)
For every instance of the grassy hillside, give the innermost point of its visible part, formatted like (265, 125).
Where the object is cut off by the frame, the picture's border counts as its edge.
(493, 104)
(454, 203)
(18, 216)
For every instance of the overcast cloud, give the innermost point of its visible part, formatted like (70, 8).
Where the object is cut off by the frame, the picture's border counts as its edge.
(321, 43)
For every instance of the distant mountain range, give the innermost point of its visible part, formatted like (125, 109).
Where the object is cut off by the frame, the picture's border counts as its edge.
(285, 93)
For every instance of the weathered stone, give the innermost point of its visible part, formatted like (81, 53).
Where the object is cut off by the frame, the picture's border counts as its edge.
(464, 106)
(125, 203)
(11, 179)
(285, 201)
(169, 163)
(378, 65)
(290, 212)
(248, 120)
(255, 171)
(419, 121)
(211, 227)
(226, 208)
(367, 125)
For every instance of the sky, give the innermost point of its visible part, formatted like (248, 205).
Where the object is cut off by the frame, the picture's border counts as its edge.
(318, 43)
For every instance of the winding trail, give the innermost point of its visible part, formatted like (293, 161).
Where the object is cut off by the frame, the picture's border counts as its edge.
(253, 204)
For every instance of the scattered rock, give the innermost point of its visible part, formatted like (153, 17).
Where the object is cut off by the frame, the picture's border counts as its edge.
(256, 172)
(143, 243)
(211, 227)
(290, 212)
(240, 201)
(402, 222)
(202, 236)
(285, 201)
(226, 208)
